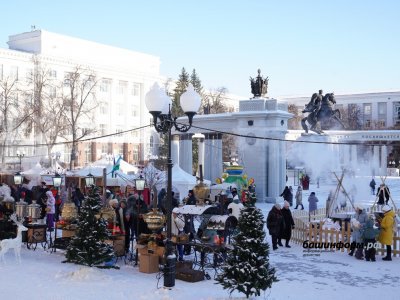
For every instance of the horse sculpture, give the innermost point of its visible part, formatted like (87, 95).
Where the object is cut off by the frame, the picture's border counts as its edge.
(320, 112)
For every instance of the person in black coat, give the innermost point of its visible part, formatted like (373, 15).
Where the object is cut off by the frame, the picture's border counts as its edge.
(287, 195)
(77, 198)
(275, 224)
(289, 224)
(190, 199)
(43, 199)
(383, 194)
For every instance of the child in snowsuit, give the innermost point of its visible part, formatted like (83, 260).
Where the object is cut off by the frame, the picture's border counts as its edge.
(368, 236)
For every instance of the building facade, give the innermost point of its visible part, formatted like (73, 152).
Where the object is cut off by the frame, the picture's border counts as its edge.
(123, 78)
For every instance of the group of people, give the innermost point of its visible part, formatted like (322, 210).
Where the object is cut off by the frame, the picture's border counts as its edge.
(129, 216)
(287, 195)
(280, 224)
(364, 233)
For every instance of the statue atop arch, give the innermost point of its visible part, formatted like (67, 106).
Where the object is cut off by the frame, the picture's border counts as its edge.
(259, 85)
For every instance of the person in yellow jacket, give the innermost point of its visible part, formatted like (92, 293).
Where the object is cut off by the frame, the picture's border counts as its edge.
(386, 232)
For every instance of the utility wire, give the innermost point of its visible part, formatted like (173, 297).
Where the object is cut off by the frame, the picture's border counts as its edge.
(285, 140)
(78, 141)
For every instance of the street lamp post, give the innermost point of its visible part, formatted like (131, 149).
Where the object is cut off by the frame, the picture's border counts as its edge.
(20, 155)
(139, 185)
(18, 179)
(159, 105)
(89, 180)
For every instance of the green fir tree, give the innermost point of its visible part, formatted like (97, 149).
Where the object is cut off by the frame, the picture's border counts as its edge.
(88, 246)
(180, 88)
(247, 268)
(196, 82)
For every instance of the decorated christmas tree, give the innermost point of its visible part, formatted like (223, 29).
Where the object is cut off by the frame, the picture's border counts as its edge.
(87, 247)
(247, 268)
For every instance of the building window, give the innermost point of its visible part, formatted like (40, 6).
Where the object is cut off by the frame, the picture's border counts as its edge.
(67, 78)
(52, 74)
(88, 153)
(122, 86)
(103, 129)
(367, 109)
(103, 108)
(120, 150)
(367, 115)
(382, 114)
(134, 111)
(53, 92)
(85, 131)
(119, 131)
(136, 152)
(29, 75)
(121, 109)
(396, 112)
(1, 72)
(105, 85)
(104, 148)
(136, 89)
(14, 73)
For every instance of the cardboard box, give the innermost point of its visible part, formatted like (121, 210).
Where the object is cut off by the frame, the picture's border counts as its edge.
(148, 263)
(68, 233)
(160, 252)
(119, 247)
(142, 249)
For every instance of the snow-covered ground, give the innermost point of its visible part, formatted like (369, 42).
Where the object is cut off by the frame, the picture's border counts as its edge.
(41, 275)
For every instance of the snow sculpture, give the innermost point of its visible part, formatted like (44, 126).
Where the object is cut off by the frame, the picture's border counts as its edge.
(15, 244)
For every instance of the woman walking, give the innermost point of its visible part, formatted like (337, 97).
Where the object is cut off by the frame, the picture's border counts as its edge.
(299, 197)
(289, 224)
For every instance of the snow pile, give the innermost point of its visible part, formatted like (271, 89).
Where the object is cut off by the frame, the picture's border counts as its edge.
(329, 224)
(83, 274)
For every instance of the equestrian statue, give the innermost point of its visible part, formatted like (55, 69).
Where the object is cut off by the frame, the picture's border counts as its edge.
(321, 115)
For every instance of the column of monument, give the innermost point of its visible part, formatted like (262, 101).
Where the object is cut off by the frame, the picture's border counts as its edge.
(175, 149)
(375, 160)
(273, 165)
(383, 161)
(186, 153)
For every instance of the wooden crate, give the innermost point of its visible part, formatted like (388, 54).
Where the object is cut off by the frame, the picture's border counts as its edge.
(184, 265)
(37, 234)
(190, 275)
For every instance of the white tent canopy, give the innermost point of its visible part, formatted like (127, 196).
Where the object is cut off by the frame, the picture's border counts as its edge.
(121, 176)
(183, 181)
(36, 171)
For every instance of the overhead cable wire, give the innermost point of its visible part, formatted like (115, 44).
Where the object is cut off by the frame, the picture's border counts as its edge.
(286, 140)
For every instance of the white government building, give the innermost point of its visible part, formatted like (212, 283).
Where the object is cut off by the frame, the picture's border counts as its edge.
(123, 76)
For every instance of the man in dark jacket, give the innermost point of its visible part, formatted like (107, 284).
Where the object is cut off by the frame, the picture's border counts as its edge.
(136, 208)
(275, 224)
(190, 199)
(43, 199)
(287, 195)
(77, 198)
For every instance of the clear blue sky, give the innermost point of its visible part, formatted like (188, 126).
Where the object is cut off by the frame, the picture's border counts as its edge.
(302, 45)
